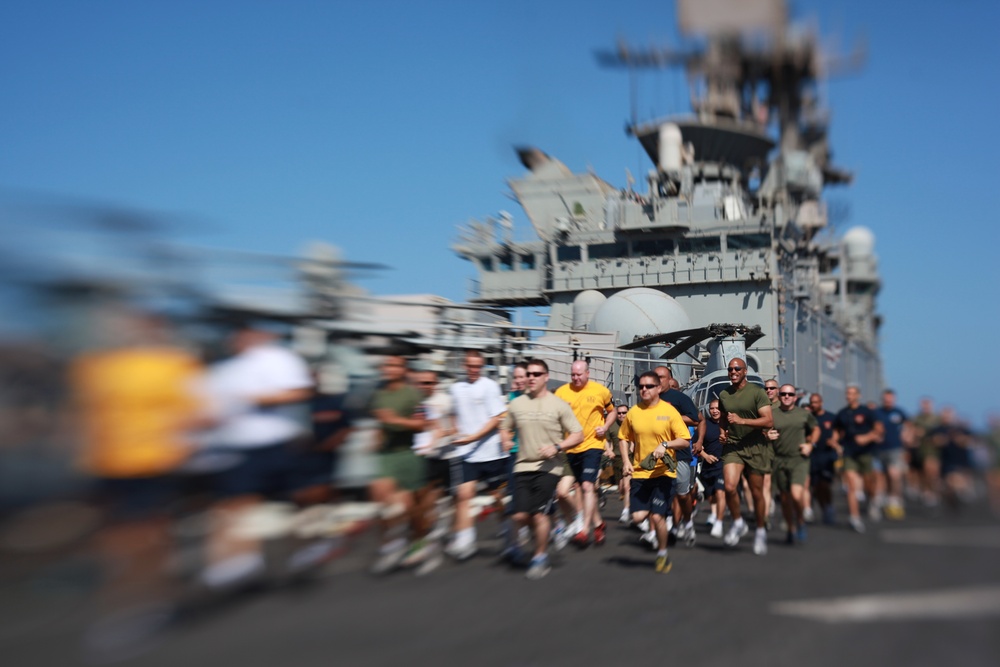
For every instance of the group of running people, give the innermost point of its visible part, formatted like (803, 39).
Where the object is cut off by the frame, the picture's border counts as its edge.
(538, 458)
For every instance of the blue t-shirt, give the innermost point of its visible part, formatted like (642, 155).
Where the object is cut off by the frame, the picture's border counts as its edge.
(892, 420)
(854, 422)
(712, 446)
(684, 405)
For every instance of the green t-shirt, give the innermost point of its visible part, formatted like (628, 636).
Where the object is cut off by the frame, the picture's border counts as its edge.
(745, 402)
(403, 402)
(794, 428)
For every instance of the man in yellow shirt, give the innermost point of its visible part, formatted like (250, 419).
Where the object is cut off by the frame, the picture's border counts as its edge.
(653, 428)
(595, 410)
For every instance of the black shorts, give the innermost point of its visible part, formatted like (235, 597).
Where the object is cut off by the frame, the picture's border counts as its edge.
(440, 472)
(492, 473)
(138, 498)
(313, 468)
(534, 492)
(586, 466)
(712, 481)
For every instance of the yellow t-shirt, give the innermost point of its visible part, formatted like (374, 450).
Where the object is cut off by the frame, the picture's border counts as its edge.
(646, 428)
(135, 407)
(590, 405)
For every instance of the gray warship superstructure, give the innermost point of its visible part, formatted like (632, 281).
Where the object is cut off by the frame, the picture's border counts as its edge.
(731, 226)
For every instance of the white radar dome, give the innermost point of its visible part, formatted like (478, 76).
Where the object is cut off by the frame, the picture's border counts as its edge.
(585, 304)
(859, 242)
(640, 311)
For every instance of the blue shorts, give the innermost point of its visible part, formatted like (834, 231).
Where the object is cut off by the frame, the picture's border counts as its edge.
(651, 495)
(269, 471)
(712, 481)
(586, 466)
(494, 473)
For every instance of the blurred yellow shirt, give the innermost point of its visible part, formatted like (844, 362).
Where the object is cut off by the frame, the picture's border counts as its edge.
(590, 405)
(135, 406)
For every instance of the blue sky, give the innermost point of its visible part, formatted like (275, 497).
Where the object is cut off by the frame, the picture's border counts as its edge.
(380, 126)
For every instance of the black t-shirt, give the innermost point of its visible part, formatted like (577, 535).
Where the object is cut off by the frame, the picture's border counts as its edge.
(684, 405)
(852, 422)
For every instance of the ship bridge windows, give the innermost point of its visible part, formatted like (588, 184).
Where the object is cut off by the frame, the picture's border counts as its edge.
(527, 262)
(486, 263)
(505, 262)
(748, 241)
(607, 250)
(700, 244)
(652, 247)
(568, 253)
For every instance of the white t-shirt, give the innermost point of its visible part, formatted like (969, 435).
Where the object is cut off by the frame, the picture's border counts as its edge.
(437, 406)
(476, 404)
(234, 384)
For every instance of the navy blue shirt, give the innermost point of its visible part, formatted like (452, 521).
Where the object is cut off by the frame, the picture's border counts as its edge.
(853, 422)
(684, 405)
(712, 446)
(892, 421)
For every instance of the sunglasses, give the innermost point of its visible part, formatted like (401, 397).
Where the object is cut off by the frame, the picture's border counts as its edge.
(771, 388)
(535, 374)
(648, 386)
(733, 369)
(787, 393)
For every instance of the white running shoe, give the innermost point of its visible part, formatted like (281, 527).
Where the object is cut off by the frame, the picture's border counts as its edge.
(649, 537)
(857, 524)
(462, 552)
(737, 531)
(760, 543)
(717, 530)
(808, 516)
(625, 518)
(560, 538)
(644, 525)
(689, 535)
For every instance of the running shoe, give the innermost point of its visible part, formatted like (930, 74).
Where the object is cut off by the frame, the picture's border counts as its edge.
(717, 530)
(808, 516)
(462, 552)
(643, 525)
(895, 512)
(736, 531)
(689, 535)
(538, 568)
(760, 543)
(649, 537)
(874, 513)
(857, 525)
(800, 535)
(789, 537)
(625, 519)
(433, 561)
(560, 537)
(581, 539)
(600, 534)
(663, 564)
(388, 561)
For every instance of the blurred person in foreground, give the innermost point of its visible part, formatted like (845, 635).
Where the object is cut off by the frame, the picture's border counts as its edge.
(261, 400)
(137, 406)
(397, 405)
(891, 455)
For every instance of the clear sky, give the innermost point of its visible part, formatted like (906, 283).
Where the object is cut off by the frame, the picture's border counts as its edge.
(379, 126)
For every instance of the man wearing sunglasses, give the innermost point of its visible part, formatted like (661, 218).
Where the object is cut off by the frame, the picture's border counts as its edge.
(655, 429)
(794, 434)
(745, 413)
(545, 426)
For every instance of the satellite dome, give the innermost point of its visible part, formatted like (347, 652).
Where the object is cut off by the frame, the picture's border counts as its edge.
(859, 242)
(640, 311)
(585, 304)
